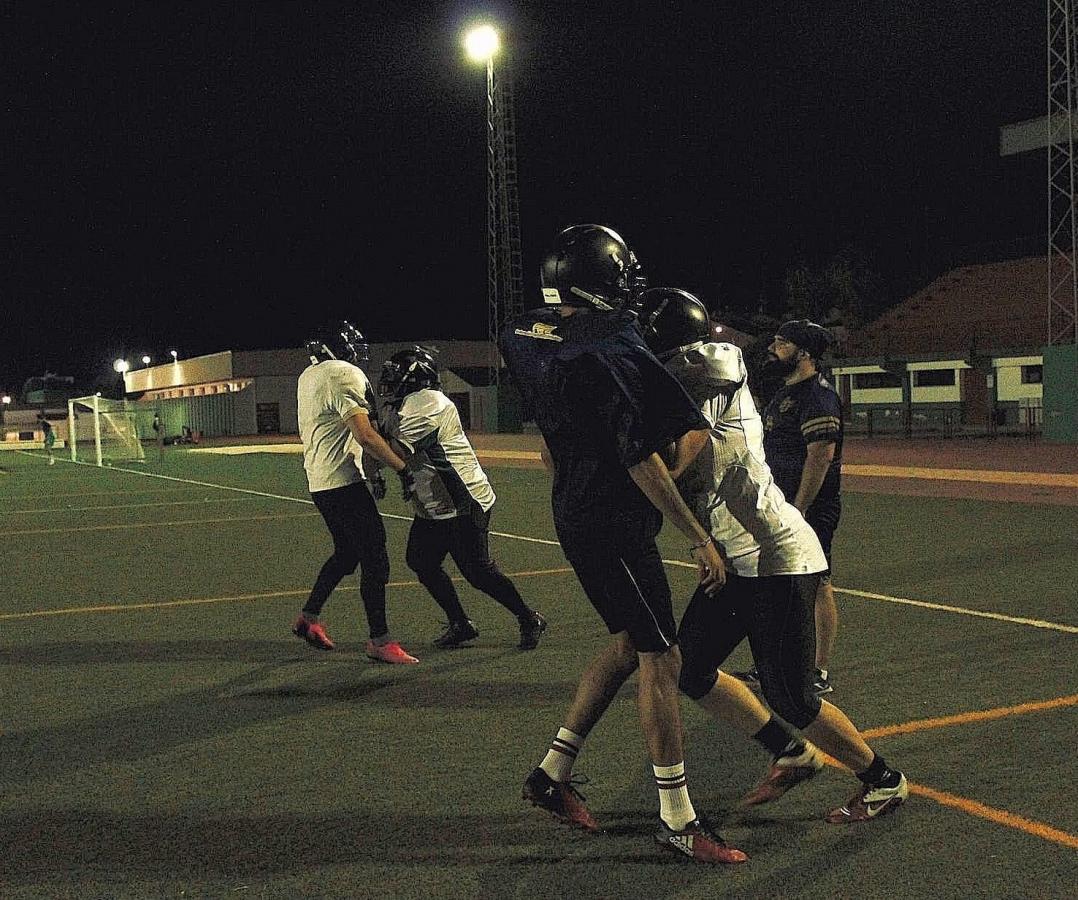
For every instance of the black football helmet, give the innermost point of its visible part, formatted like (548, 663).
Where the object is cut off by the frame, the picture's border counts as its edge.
(672, 321)
(340, 340)
(590, 266)
(406, 372)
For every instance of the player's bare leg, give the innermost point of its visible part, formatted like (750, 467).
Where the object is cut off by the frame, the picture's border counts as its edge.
(826, 624)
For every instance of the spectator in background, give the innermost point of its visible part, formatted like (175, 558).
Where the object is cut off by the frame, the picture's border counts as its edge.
(49, 436)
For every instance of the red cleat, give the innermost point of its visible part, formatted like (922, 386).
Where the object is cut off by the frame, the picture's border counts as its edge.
(871, 803)
(391, 652)
(559, 798)
(786, 772)
(699, 842)
(314, 633)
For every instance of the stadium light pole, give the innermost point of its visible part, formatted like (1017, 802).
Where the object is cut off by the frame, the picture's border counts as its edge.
(121, 366)
(481, 44)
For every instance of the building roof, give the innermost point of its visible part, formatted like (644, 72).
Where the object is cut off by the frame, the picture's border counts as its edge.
(968, 310)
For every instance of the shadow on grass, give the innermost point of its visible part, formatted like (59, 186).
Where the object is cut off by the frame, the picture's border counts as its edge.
(88, 843)
(290, 686)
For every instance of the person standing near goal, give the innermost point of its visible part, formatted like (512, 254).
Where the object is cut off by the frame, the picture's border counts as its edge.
(335, 404)
(49, 435)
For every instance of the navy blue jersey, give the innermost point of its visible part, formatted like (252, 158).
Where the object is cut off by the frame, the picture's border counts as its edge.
(603, 403)
(798, 415)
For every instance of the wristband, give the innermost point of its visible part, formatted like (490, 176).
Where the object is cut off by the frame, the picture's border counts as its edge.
(700, 546)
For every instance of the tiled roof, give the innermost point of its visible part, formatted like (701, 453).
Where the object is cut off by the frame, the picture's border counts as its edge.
(993, 306)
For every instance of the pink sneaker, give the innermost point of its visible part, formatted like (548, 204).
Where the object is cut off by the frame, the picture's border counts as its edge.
(391, 652)
(314, 633)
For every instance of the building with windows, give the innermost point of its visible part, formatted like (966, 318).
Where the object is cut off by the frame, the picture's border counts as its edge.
(963, 354)
(252, 392)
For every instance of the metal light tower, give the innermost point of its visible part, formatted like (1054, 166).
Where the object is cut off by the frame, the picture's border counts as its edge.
(505, 275)
(1062, 236)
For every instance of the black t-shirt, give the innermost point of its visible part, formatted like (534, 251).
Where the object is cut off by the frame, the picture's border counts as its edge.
(798, 415)
(603, 403)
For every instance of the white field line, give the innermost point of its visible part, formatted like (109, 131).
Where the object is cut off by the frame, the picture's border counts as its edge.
(958, 610)
(65, 509)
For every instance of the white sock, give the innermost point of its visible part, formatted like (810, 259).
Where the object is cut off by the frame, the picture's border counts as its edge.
(559, 759)
(675, 807)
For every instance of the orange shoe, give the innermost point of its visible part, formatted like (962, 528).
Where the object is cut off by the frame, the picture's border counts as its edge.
(314, 633)
(786, 772)
(390, 652)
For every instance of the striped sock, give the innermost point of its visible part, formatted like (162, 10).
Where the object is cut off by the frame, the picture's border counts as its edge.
(675, 807)
(559, 759)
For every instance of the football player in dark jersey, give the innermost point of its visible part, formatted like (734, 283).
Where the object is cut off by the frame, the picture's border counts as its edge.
(606, 407)
(803, 443)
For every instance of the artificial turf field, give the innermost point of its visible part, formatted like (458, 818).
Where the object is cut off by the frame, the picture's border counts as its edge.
(164, 735)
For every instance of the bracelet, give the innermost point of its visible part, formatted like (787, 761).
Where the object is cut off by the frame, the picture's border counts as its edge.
(700, 546)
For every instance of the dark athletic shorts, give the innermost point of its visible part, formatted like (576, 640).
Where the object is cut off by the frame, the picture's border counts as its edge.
(823, 516)
(626, 583)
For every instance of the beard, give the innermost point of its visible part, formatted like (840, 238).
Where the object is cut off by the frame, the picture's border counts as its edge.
(778, 367)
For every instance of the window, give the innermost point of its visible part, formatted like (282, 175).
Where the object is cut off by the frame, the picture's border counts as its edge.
(870, 380)
(1032, 374)
(933, 378)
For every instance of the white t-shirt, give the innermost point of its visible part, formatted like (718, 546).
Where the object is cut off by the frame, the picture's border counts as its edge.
(729, 485)
(328, 393)
(448, 477)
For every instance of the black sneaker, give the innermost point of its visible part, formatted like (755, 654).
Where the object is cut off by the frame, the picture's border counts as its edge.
(749, 676)
(821, 684)
(531, 629)
(456, 634)
(699, 842)
(559, 798)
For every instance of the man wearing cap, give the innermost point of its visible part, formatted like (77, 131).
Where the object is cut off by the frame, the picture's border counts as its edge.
(803, 446)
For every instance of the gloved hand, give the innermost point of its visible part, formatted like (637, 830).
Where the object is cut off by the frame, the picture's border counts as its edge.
(376, 484)
(407, 484)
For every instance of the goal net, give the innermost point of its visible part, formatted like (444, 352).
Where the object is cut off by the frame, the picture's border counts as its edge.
(104, 431)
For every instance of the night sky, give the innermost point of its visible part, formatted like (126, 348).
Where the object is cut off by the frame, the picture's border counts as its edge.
(223, 175)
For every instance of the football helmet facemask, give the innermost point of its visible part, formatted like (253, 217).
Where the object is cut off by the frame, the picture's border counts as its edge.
(672, 321)
(340, 340)
(406, 372)
(590, 266)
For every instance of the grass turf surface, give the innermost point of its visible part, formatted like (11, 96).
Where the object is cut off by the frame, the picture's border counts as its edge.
(199, 750)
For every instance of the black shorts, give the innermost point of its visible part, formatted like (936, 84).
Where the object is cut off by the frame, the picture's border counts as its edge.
(823, 516)
(776, 614)
(626, 583)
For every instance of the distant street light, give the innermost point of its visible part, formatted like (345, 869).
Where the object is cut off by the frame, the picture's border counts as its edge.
(174, 355)
(146, 360)
(121, 366)
(6, 399)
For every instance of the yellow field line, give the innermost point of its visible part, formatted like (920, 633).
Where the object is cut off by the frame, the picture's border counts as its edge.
(964, 804)
(998, 816)
(233, 598)
(991, 476)
(154, 524)
(966, 718)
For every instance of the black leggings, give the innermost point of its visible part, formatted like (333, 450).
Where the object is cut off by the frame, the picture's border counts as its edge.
(465, 538)
(359, 538)
(777, 614)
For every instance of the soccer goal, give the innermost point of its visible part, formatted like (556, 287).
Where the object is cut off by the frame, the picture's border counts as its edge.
(104, 431)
